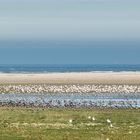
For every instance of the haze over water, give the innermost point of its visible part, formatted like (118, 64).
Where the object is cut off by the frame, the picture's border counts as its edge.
(69, 32)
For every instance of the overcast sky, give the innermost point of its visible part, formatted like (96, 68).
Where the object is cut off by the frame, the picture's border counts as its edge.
(70, 31)
(69, 19)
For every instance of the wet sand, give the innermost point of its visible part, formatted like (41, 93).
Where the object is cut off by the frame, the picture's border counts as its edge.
(72, 78)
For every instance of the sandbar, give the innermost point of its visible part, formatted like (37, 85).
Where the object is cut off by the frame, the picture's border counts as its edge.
(71, 78)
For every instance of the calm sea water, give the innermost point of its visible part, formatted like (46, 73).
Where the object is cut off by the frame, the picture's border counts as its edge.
(66, 68)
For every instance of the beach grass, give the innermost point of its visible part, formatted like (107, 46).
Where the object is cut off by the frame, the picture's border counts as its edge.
(69, 124)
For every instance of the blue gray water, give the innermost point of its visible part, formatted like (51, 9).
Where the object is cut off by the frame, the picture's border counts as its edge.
(72, 100)
(66, 68)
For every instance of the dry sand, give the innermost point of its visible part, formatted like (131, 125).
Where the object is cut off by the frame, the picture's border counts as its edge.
(72, 78)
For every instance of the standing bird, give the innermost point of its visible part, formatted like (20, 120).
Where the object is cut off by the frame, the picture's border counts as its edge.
(89, 117)
(93, 118)
(108, 121)
(70, 121)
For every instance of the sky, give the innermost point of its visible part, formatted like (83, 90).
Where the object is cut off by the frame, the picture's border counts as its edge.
(69, 31)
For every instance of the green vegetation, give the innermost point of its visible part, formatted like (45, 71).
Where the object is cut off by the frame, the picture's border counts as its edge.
(55, 124)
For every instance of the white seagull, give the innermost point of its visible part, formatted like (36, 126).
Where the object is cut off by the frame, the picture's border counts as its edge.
(89, 117)
(70, 121)
(108, 121)
(93, 118)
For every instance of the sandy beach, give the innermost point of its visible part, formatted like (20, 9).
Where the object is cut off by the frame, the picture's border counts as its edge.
(72, 78)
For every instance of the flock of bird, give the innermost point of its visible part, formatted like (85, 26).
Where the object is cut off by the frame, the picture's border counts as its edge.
(65, 101)
(76, 88)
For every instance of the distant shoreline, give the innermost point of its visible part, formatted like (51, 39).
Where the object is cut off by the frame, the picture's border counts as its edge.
(71, 78)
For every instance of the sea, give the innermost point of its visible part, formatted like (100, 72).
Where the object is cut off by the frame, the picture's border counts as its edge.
(49, 68)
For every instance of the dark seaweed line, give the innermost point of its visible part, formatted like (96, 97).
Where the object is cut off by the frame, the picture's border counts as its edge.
(73, 104)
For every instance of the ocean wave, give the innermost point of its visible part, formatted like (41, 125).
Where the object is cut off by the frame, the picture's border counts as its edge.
(68, 68)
